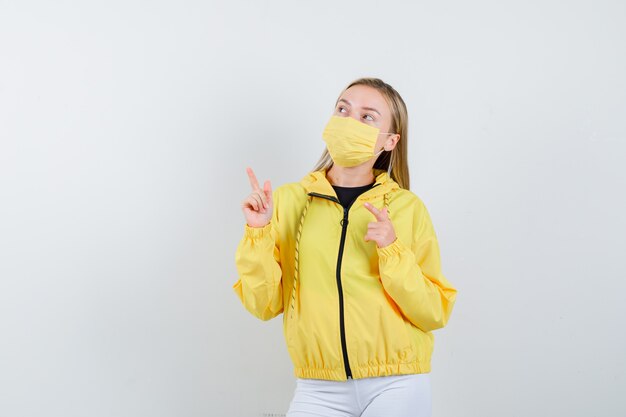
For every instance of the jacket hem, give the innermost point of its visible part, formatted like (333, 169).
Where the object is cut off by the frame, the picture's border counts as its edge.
(368, 371)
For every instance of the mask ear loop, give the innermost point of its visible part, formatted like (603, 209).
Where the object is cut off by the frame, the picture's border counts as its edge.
(390, 156)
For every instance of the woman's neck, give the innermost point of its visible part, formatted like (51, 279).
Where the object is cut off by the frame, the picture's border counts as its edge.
(350, 176)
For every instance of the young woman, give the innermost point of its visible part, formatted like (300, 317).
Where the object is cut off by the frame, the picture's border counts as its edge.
(350, 257)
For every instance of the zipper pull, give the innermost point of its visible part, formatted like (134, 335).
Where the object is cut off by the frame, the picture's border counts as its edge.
(344, 221)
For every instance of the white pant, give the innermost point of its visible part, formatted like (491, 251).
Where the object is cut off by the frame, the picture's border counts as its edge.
(386, 396)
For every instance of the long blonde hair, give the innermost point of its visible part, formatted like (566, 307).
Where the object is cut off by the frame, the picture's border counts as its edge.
(397, 157)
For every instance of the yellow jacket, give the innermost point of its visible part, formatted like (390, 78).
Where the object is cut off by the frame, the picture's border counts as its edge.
(350, 309)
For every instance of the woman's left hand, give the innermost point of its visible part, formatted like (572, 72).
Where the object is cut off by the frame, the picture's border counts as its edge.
(381, 231)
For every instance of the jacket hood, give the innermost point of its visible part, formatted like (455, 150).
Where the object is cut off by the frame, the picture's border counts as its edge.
(316, 182)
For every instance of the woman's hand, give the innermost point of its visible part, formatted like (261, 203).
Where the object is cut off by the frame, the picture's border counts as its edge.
(381, 230)
(258, 206)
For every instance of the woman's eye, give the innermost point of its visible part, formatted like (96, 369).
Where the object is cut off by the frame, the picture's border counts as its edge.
(341, 109)
(368, 115)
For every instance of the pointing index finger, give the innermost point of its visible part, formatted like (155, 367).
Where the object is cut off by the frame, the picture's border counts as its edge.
(377, 213)
(253, 181)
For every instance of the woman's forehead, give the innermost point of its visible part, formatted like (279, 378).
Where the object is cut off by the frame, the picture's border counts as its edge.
(364, 96)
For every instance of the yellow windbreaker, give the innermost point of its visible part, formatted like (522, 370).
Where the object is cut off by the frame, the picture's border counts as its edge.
(350, 309)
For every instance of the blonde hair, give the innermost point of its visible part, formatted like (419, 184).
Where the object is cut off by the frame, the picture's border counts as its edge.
(397, 157)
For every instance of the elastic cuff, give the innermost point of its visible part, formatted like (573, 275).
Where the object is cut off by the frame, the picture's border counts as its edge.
(257, 232)
(395, 248)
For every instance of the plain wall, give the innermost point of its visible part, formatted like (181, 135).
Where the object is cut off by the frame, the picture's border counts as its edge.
(125, 130)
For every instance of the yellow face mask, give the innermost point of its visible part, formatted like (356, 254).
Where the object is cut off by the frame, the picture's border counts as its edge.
(349, 141)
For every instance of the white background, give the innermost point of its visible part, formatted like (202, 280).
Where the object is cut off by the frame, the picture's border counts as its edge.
(125, 130)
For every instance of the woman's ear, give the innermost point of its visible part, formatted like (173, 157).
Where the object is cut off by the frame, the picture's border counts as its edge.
(392, 141)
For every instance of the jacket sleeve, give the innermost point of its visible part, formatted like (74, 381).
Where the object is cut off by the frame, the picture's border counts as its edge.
(257, 259)
(412, 276)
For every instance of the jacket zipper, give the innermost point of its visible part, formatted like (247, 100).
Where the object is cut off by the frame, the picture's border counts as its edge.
(344, 227)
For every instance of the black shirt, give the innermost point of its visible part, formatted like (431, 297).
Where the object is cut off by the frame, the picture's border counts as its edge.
(347, 195)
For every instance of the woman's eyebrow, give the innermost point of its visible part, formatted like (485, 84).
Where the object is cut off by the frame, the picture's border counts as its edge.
(364, 108)
(372, 109)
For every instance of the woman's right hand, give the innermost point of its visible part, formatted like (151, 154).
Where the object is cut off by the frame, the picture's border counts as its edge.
(258, 206)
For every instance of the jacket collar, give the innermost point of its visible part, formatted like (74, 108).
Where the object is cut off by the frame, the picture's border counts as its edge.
(316, 182)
